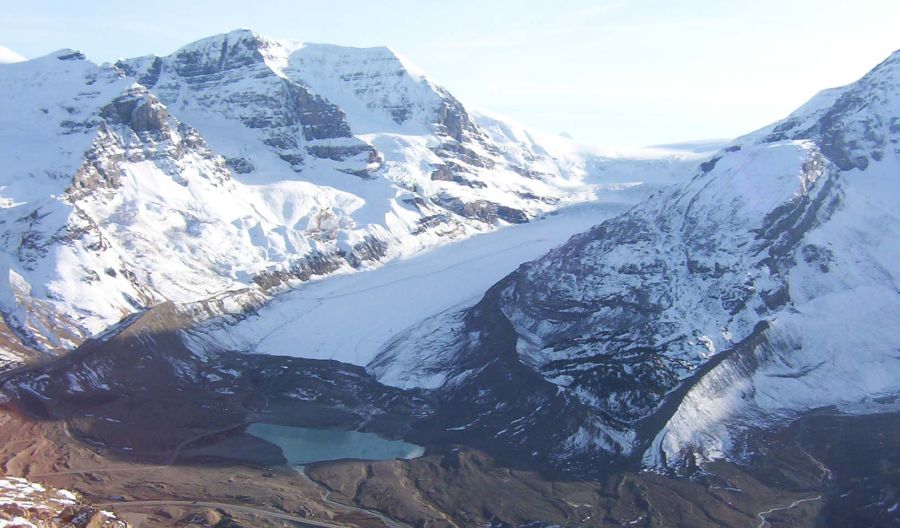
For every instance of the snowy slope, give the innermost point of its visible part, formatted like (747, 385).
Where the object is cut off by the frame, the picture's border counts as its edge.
(43, 145)
(837, 343)
(240, 163)
(764, 286)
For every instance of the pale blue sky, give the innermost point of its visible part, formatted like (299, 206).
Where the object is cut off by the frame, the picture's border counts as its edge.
(612, 72)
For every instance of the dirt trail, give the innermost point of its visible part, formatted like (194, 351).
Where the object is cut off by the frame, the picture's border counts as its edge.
(326, 498)
(302, 521)
(762, 515)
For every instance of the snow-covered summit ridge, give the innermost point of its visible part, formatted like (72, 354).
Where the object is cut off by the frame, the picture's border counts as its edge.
(365, 80)
(853, 124)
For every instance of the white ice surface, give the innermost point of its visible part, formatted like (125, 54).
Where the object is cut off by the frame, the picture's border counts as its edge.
(350, 317)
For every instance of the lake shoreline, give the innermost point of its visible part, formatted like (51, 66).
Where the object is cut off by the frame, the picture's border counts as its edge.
(306, 445)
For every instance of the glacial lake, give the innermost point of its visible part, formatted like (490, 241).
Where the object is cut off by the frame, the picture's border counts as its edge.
(302, 445)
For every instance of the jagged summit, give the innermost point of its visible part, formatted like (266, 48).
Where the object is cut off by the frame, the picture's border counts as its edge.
(244, 37)
(225, 48)
(853, 125)
(223, 52)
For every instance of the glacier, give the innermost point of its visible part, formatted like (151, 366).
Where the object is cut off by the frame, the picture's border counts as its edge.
(243, 166)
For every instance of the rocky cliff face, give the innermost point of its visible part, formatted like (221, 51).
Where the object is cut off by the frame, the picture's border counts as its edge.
(228, 79)
(718, 303)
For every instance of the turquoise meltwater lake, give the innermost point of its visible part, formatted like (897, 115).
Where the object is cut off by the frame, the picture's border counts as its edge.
(302, 445)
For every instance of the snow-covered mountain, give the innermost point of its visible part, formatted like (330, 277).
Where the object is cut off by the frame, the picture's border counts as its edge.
(766, 285)
(762, 284)
(241, 163)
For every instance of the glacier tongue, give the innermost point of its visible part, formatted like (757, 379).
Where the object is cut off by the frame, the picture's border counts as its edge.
(350, 317)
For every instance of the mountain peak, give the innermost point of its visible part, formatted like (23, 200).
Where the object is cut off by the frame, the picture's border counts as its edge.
(233, 36)
(65, 54)
(226, 51)
(893, 58)
(243, 33)
(888, 67)
(848, 123)
(383, 56)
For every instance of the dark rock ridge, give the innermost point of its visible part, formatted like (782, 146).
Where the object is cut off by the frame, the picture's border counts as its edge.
(144, 365)
(484, 210)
